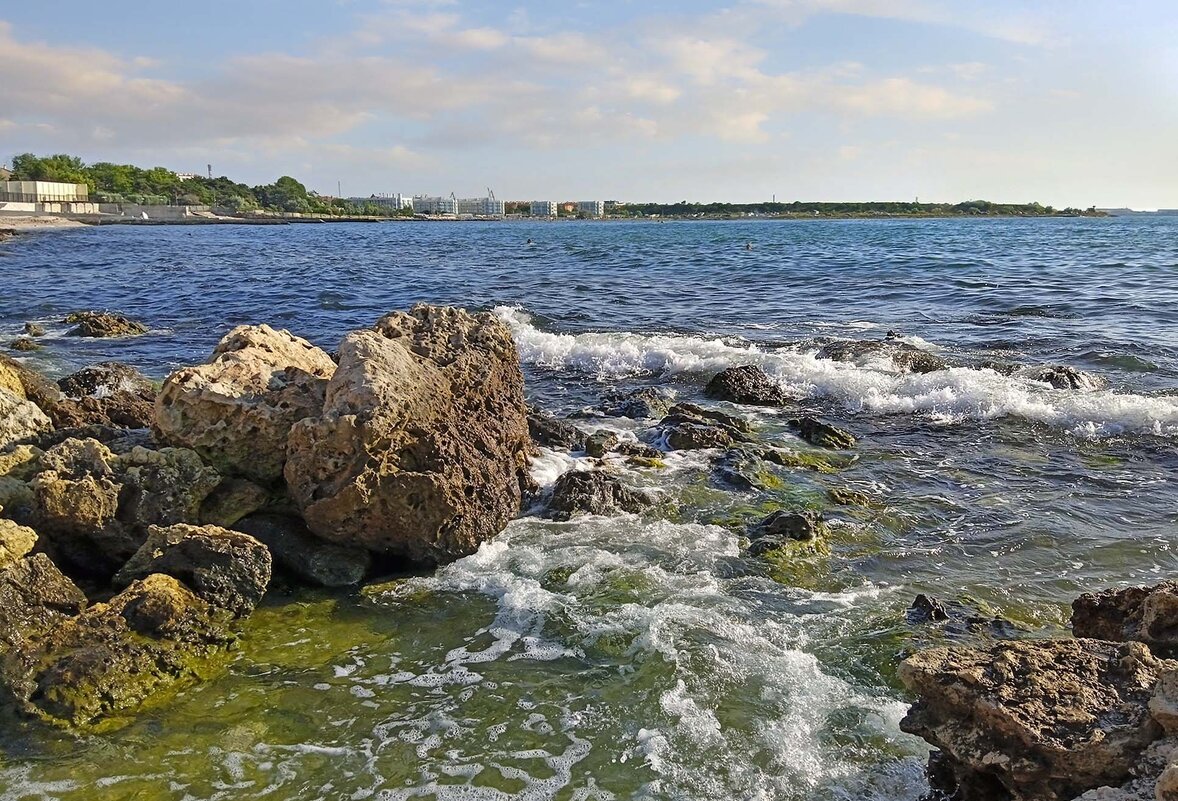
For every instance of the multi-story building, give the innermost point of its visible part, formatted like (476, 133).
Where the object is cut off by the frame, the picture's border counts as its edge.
(43, 192)
(482, 206)
(592, 208)
(434, 206)
(395, 202)
(543, 208)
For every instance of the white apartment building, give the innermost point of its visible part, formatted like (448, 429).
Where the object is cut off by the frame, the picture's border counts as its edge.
(434, 206)
(397, 201)
(593, 208)
(543, 208)
(482, 206)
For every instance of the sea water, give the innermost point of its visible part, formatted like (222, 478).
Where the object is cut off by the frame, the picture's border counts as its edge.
(646, 656)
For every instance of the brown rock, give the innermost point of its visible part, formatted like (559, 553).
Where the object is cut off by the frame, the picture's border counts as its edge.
(105, 378)
(593, 492)
(103, 324)
(15, 542)
(237, 410)
(34, 597)
(421, 450)
(1147, 614)
(20, 419)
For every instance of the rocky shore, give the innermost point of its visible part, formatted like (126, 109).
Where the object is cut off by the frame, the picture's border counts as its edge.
(140, 523)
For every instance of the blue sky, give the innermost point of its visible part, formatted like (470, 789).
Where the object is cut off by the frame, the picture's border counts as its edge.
(1068, 103)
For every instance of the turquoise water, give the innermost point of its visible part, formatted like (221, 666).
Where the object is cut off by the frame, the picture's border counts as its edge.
(646, 657)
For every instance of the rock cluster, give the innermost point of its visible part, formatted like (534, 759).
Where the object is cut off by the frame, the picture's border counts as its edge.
(103, 324)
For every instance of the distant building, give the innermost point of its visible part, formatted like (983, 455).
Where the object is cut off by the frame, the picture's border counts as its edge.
(5, 174)
(186, 176)
(43, 192)
(568, 208)
(395, 202)
(543, 208)
(482, 206)
(434, 206)
(592, 208)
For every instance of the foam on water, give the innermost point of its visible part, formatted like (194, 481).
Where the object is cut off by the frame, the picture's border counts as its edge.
(876, 387)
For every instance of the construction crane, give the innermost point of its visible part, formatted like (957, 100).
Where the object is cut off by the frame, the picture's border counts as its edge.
(490, 193)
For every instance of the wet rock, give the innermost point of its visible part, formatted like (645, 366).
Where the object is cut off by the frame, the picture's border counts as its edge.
(118, 410)
(748, 384)
(593, 492)
(20, 420)
(1146, 614)
(691, 427)
(15, 542)
(34, 597)
(90, 671)
(741, 470)
(904, 356)
(641, 404)
(228, 569)
(781, 527)
(638, 450)
(824, 435)
(690, 412)
(1034, 719)
(103, 324)
(24, 344)
(233, 499)
(1061, 376)
(600, 443)
(550, 432)
(304, 555)
(694, 436)
(926, 609)
(237, 409)
(844, 496)
(421, 450)
(34, 330)
(106, 378)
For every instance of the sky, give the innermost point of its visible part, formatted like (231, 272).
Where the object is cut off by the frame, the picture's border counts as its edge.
(1067, 103)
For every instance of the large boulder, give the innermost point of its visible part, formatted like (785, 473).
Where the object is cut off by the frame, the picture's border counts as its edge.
(237, 410)
(90, 671)
(747, 384)
(228, 569)
(103, 324)
(593, 492)
(421, 450)
(20, 419)
(1146, 614)
(304, 555)
(1041, 720)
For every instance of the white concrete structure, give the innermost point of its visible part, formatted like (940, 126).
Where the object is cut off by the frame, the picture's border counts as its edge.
(397, 201)
(592, 208)
(434, 206)
(543, 208)
(43, 192)
(482, 206)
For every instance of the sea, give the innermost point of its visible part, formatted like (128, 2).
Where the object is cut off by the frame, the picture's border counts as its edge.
(648, 657)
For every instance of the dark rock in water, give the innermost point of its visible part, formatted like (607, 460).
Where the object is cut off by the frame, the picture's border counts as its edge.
(690, 412)
(1034, 719)
(228, 569)
(782, 527)
(593, 492)
(693, 436)
(927, 610)
(550, 432)
(118, 410)
(904, 356)
(103, 324)
(304, 555)
(1146, 614)
(747, 384)
(845, 496)
(106, 378)
(89, 671)
(600, 443)
(639, 450)
(641, 404)
(34, 330)
(1061, 376)
(24, 344)
(824, 435)
(437, 392)
(741, 469)
(689, 427)
(34, 597)
(233, 499)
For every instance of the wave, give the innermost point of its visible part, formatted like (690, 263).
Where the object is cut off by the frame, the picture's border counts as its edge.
(952, 395)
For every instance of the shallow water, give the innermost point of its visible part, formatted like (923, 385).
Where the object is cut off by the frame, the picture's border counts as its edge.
(645, 657)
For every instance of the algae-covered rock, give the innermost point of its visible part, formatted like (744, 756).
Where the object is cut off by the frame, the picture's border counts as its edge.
(237, 410)
(20, 419)
(824, 435)
(747, 384)
(102, 325)
(593, 492)
(783, 527)
(92, 670)
(421, 450)
(304, 555)
(34, 597)
(228, 569)
(1038, 719)
(233, 499)
(24, 344)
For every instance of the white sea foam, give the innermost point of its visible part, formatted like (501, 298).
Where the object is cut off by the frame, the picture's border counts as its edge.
(877, 387)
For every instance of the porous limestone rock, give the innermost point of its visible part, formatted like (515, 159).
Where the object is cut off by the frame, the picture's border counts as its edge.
(1147, 614)
(15, 541)
(421, 450)
(1041, 720)
(237, 409)
(20, 419)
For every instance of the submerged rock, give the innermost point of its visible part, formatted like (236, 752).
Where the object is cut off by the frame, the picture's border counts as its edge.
(550, 432)
(103, 324)
(593, 492)
(904, 356)
(304, 555)
(228, 569)
(1061, 376)
(600, 443)
(20, 419)
(1146, 614)
(24, 344)
(34, 330)
(237, 410)
(640, 404)
(748, 384)
(824, 435)
(1037, 719)
(782, 527)
(926, 609)
(421, 450)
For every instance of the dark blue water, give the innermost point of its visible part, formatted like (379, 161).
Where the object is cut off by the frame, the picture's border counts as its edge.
(647, 658)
